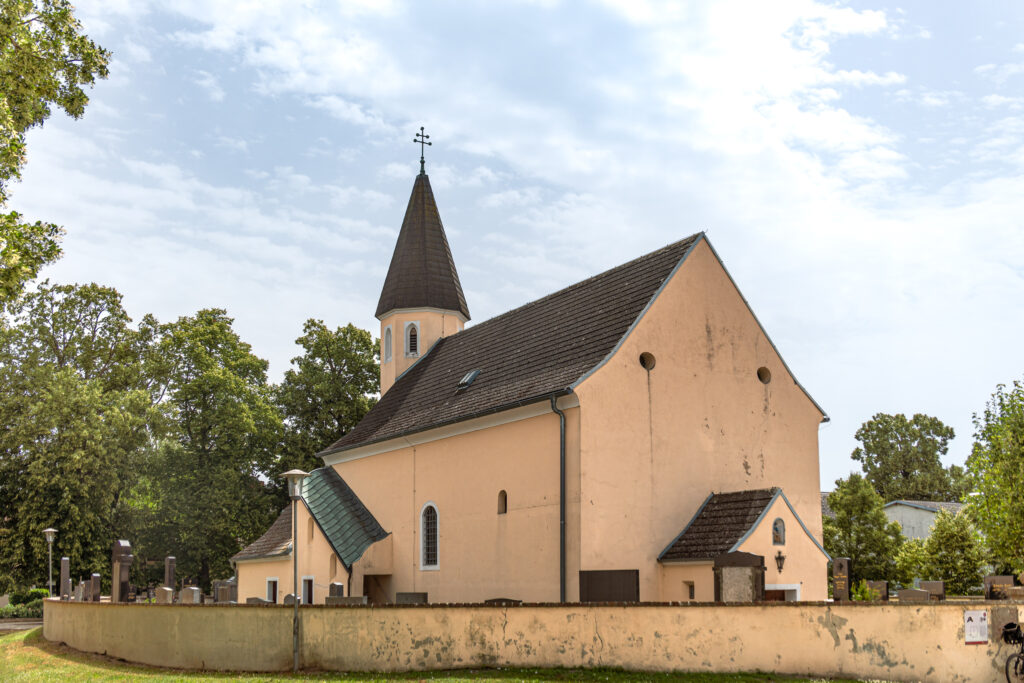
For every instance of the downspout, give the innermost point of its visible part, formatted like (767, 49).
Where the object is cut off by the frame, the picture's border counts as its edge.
(561, 497)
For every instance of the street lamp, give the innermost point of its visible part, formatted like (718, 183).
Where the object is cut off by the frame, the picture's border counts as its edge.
(295, 478)
(50, 534)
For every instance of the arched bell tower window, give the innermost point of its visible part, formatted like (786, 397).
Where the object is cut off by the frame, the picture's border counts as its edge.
(778, 532)
(387, 344)
(428, 536)
(412, 339)
(502, 502)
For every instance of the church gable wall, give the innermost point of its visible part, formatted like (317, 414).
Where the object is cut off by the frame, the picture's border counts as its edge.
(654, 444)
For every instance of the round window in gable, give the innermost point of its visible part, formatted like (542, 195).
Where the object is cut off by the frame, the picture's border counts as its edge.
(765, 375)
(647, 361)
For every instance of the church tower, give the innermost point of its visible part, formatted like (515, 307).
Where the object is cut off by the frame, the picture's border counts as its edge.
(422, 299)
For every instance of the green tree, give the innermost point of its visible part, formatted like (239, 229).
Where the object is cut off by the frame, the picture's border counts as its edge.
(74, 421)
(204, 495)
(954, 553)
(861, 531)
(45, 61)
(911, 562)
(901, 458)
(328, 390)
(996, 465)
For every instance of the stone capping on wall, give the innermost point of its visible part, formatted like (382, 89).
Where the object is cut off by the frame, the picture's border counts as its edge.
(773, 604)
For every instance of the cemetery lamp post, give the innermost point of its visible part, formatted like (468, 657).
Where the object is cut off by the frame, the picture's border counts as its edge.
(295, 478)
(50, 534)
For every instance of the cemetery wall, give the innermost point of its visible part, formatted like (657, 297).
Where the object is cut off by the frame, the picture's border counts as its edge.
(923, 642)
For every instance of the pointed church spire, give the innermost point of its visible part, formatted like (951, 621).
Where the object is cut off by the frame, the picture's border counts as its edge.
(422, 272)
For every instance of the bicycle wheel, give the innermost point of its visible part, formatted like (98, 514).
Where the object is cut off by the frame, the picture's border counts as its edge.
(1014, 669)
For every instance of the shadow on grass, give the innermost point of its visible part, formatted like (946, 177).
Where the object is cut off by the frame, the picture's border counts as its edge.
(29, 656)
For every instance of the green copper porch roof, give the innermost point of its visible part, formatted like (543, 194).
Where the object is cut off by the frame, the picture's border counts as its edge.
(346, 523)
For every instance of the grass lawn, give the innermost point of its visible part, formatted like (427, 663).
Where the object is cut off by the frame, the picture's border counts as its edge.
(27, 656)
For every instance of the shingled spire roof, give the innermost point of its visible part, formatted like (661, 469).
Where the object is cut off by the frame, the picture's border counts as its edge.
(422, 272)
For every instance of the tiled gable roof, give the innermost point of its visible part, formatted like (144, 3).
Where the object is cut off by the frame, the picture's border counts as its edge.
(346, 523)
(277, 540)
(932, 505)
(343, 519)
(719, 524)
(422, 271)
(524, 356)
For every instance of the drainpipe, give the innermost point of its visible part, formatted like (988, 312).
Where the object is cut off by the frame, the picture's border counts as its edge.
(561, 497)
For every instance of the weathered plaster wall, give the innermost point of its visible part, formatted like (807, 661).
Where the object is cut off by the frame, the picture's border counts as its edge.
(675, 576)
(890, 642)
(655, 444)
(481, 554)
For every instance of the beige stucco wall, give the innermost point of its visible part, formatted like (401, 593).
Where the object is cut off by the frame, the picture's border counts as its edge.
(674, 577)
(433, 324)
(315, 560)
(482, 554)
(891, 642)
(805, 566)
(655, 444)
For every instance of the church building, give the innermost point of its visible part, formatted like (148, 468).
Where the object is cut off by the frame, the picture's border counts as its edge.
(604, 442)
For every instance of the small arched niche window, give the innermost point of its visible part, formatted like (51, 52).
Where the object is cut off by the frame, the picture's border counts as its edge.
(309, 529)
(502, 502)
(412, 339)
(387, 344)
(778, 532)
(428, 529)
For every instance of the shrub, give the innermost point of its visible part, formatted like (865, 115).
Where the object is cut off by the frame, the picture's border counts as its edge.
(30, 610)
(24, 597)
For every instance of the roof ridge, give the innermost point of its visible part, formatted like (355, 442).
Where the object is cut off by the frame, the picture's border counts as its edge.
(576, 285)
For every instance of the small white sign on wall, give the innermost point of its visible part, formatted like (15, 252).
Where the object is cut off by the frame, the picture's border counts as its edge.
(975, 627)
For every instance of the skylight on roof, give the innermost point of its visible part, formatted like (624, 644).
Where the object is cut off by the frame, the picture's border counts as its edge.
(467, 379)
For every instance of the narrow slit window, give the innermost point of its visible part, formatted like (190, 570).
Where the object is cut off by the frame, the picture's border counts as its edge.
(309, 529)
(502, 502)
(387, 345)
(429, 524)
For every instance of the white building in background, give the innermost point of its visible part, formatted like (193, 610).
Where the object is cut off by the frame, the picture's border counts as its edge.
(916, 517)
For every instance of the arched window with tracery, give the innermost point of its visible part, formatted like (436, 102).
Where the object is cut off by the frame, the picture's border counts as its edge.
(428, 529)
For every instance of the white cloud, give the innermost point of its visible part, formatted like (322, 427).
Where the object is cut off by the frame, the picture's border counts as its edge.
(209, 83)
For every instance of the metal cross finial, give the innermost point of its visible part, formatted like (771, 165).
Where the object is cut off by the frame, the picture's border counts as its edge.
(421, 140)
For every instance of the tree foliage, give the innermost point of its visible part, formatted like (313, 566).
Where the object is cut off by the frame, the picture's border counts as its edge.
(861, 531)
(954, 553)
(996, 464)
(902, 458)
(205, 495)
(45, 61)
(327, 391)
(74, 420)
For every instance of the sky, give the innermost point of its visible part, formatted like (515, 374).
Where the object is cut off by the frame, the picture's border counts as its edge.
(859, 167)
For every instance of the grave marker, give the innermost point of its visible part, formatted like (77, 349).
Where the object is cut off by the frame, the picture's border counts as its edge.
(841, 568)
(997, 587)
(65, 578)
(882, 588)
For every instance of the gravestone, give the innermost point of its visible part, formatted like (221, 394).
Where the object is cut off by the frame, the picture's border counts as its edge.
(936, 589)
(841, 568)
(94, 588)
(80, 591)
(190, 595)
(164, 595)
(336, 590)
(289, 599)
(342, 600)
(997, 587)
(913, 595)
(739, 577)
(882, 588)
(257, 601)
(169, 563)
(410, 598)
(121, 561)
(222, 593)
(65, 578)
